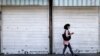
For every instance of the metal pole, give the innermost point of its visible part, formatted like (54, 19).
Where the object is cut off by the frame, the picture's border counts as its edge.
(0, 36)
(0, 32)
(50, 27)
(99, 26)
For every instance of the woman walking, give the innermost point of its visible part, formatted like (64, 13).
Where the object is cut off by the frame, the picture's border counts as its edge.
(66, 38)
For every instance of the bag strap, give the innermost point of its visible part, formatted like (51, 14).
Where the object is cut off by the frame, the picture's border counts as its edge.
(65, 32)
(69, 32)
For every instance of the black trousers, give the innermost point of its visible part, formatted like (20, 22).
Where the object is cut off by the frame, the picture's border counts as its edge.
(70, 48)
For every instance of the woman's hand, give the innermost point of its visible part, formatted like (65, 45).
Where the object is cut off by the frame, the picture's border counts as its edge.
(72, 33)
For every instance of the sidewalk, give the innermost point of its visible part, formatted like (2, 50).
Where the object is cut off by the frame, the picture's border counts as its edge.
(50, 55)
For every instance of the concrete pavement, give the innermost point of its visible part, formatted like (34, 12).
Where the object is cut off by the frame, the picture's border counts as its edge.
(49, 55)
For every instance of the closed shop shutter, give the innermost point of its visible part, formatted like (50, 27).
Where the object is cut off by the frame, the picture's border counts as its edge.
(25, 30)
(84, 23)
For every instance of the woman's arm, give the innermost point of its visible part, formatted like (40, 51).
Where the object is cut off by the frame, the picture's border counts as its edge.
(67, 35)
(72, 33)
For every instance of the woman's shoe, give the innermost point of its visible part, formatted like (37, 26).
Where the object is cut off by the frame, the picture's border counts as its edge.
(64, 55)
(74, 55)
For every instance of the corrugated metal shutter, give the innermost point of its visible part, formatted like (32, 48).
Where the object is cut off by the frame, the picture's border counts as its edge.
(76, 2)
(84, 23)
(0, 2)
(24, 2)
(55, 2)
(25, 30)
